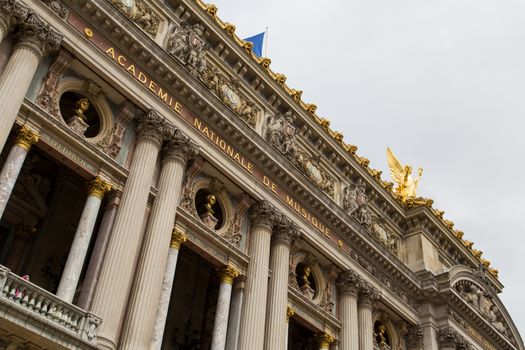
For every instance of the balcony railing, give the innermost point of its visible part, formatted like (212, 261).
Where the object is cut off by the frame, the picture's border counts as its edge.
(21, 297)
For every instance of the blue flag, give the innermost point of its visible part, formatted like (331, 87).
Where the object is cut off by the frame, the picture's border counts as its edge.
(257, 41)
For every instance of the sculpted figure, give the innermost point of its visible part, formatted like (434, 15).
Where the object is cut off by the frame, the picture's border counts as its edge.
(145, 18)
(402, 176)
(281, 134)
(186, 44)
(247, 112)
(485, 304)
(81, 107)
(470, 293)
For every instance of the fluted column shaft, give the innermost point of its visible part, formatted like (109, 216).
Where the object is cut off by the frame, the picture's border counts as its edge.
(177, 238)
(79, 247)
(366, 326)
(97, 256)
(290, 311)
(276, 324)
(145, 294)
(234, 319)
(116, 276)
(254, 310)
(25, 138)
(220, 325)
(33, 44)
(349, 339)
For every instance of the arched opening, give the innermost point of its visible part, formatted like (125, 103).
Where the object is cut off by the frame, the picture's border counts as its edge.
(381, 337)
(209, 209)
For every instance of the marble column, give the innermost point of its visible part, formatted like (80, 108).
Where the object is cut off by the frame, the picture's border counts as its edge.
(347, 284)
(276, 327)
(34, 40)
(145, 293)
(234, 321)
(367, 296)
(116, 275)
(290, 312)
(97, 256)
(220, 325)
(251, 336)
(25, 138)
(79, 248)
(324, 340)
(177, 238)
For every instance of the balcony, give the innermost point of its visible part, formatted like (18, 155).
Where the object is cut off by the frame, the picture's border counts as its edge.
(32, 315)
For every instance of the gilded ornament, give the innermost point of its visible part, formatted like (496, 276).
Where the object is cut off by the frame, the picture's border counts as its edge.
(352, 149)
(340, 243)
(227, 274)
(325, 123)
(338, 136)
(25, 138)
(81, 107)
(362, 160)
(177, 238)
(98, 188)
(324, 340)
(439, 213)
(290, 312)
(247, 46)
(210, 201)
(375, 173)
(448, 223)
(265, 62)
(229, 29)
(211, 10)
(296, 94)
(280, 78)
(477, 253)
(388, 185)
(88, 32)
(494, 272)
(468, 244)
(459, 234)
(311, 108)
(402, 176)
(485, 262)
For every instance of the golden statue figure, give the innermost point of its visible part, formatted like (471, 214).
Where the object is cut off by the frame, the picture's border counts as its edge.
(402, 176)
(306, 275)
(81, 107)
(210, 201)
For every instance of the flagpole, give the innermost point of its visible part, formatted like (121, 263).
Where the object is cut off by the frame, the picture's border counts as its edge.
(266, 43)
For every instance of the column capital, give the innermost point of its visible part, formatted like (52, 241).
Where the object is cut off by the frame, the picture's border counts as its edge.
(264, 214)
(177, 238)
(348, 282)
(11, 13)
(98, 188)
(324, 340)
(290, 312)
(179, 146)
(414, 337)
(152, 126)
(25, 138)
(227, 274)
(368, 294)
(37, 36)
(285, 231)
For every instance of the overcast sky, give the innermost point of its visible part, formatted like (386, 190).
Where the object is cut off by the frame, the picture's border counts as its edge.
(439, 81)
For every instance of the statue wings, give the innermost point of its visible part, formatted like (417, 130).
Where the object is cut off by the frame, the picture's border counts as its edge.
(396, 169)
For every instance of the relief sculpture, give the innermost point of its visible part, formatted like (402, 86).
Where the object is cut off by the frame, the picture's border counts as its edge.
(281, 134)
(186, 44)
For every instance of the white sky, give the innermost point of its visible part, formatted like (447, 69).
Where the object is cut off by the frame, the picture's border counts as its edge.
(439, 81)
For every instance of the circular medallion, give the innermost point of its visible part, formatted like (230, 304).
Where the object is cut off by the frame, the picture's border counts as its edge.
(232, 96)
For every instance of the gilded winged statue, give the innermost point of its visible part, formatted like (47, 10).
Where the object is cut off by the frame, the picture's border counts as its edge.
(402, 176)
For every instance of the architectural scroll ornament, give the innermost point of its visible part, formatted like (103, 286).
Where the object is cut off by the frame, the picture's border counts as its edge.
(483, 303)
(281, 134)
(311, 166)
(355, 203)
(48, 96)
(140, 13)
(112, 142)
(228, 91)
(186, 44)
(233, 233)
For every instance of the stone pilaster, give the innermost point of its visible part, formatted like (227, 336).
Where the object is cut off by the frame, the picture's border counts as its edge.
(368, 295)
(116, 276)
(97, 256)
(25, 138)
(34, 40)
(177, 238)
(324, 340)
(145, 293)
(263, 216)
(276, 324)
(347, 284)
(79, 248)
(220, 325)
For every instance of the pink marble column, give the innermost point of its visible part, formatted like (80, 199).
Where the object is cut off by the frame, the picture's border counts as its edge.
(79, 248)
(142, 308)
(97, 256)
(220, 325)
(25, 138)
(34, 40)
(116, 275)
(251, 337)
(276, 325)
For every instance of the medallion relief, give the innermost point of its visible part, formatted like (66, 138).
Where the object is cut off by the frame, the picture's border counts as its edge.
(228, 91)
(311, 166)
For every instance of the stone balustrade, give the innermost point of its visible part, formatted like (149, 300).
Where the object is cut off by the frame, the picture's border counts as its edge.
(24, 302)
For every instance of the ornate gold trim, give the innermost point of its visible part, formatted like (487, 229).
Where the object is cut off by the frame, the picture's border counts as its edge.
(227, 274)
(25, 138)
(98, 188)
(324, 340)
(177, 238)
(290, 312)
